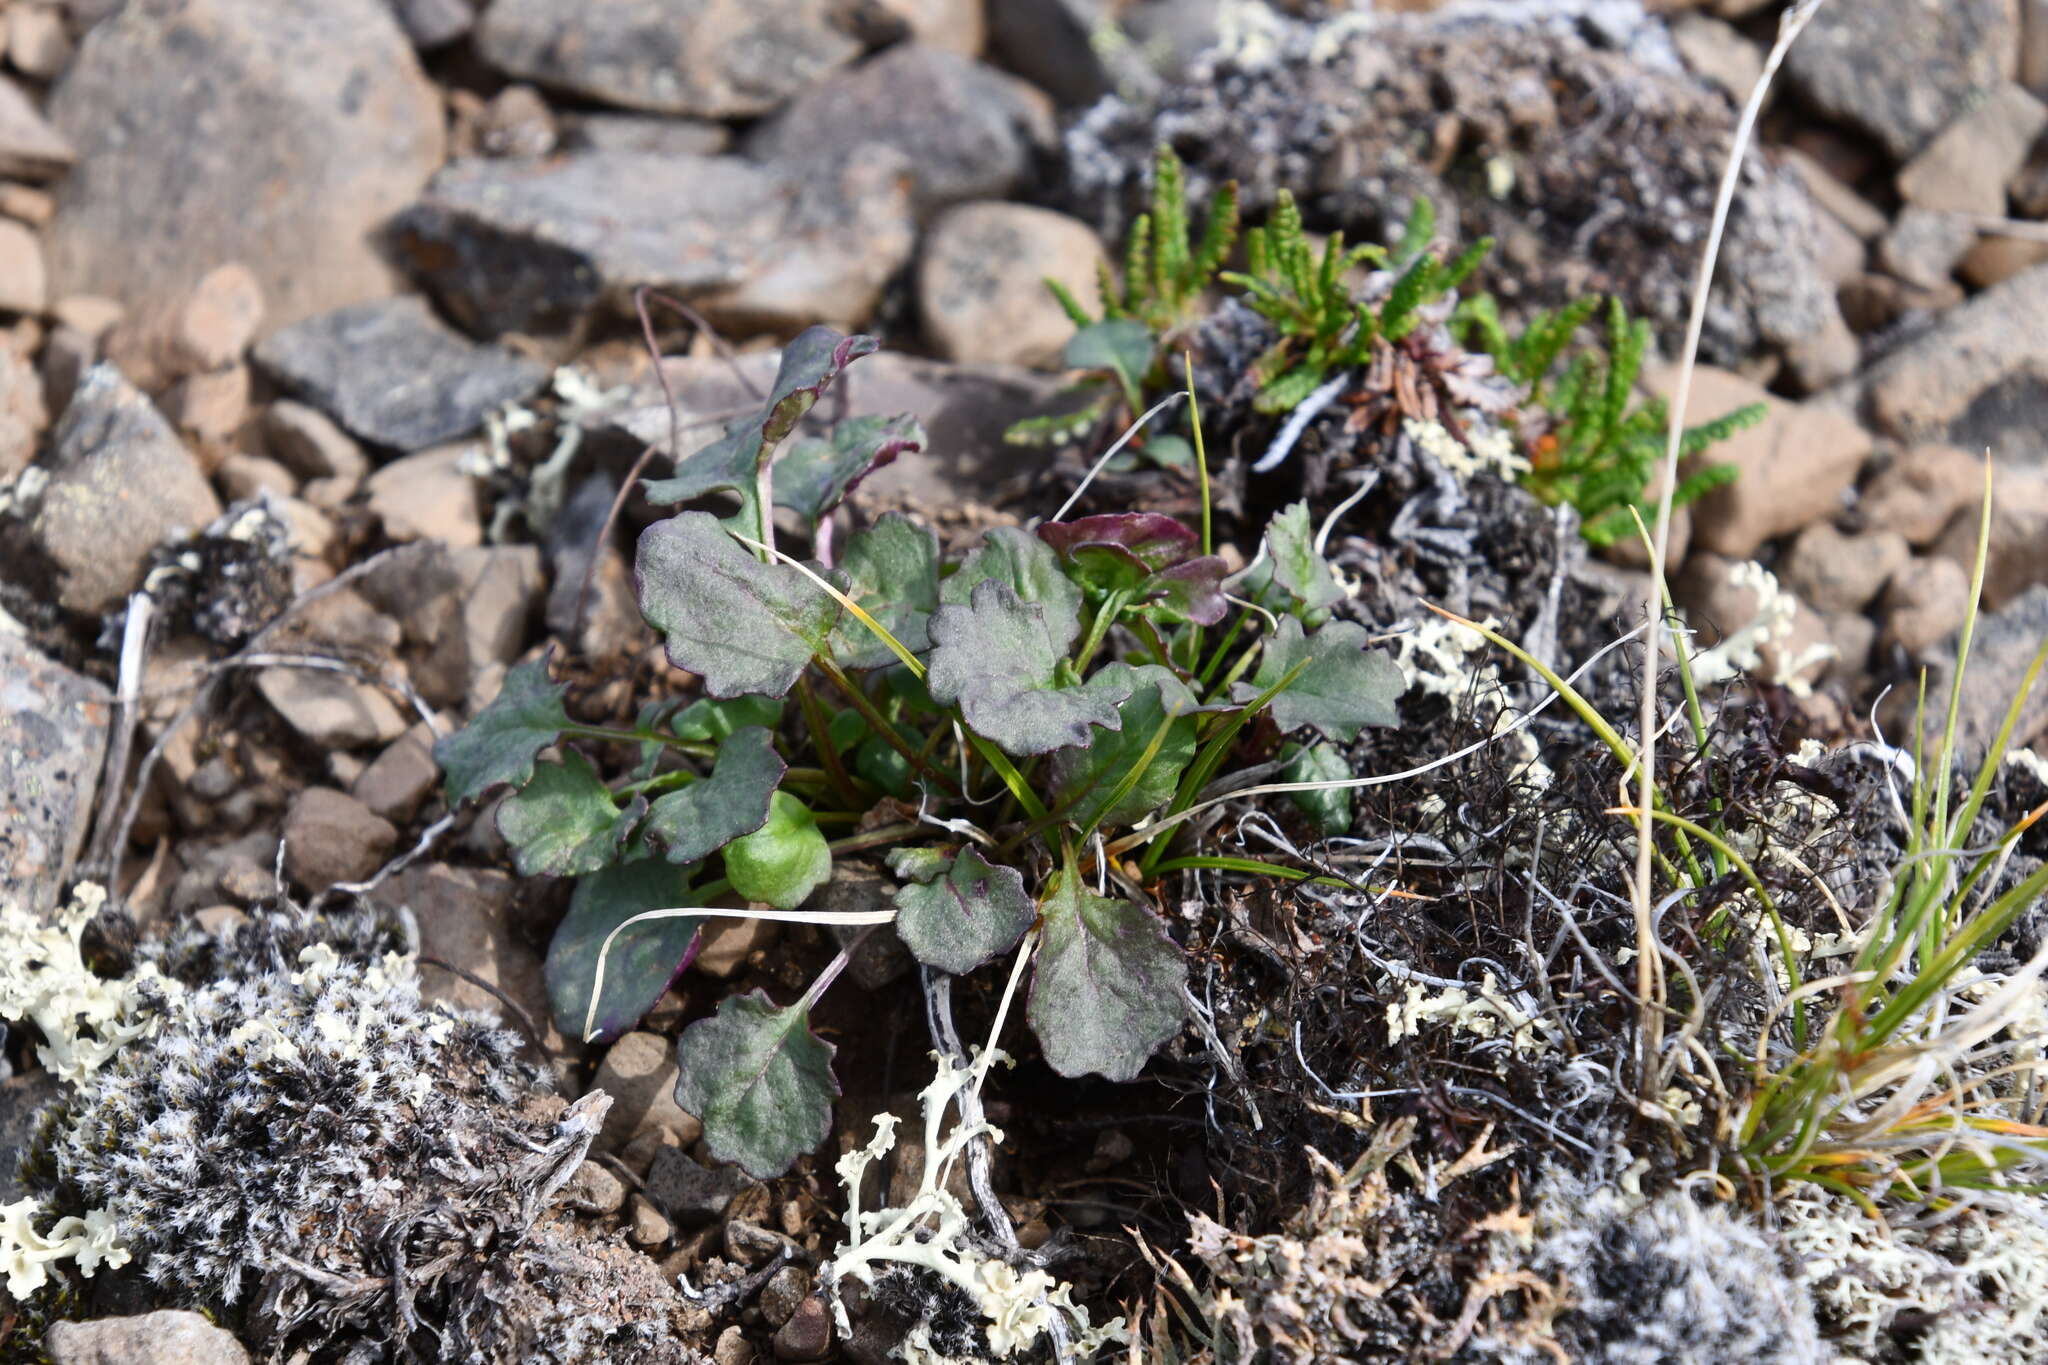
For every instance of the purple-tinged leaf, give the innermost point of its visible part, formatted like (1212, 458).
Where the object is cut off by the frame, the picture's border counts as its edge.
(814, 476)
(1107, 992)
(1189, 591)
(1153, 539)
(809, 365)
(999, 659)
(743, 625)
(643, 960)
(710, 813)
(1154, 559)
(974, 912)
(760, 1080)
(498, 747)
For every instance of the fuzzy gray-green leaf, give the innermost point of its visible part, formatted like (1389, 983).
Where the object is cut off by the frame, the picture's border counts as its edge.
(710, 813)
(1086, 777)
(744, 625)
(500, 744)
(564, 822)
(1107, 990)
(1296, 565)
(643, 959)
(1032, 569)
(892, 570)
(760, 1081)
(1344, 687)
(961, 920)
(999, 658)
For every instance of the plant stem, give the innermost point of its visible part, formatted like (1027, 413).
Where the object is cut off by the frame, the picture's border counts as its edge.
(880, 724)
(821, 740)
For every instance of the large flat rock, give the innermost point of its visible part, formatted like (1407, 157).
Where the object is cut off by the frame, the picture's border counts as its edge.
(210, 131)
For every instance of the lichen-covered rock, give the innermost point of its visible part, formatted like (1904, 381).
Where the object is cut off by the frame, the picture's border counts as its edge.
(53, 726)
(1595, 169)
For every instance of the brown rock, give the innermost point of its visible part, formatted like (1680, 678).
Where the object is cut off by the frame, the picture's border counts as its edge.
(954, 25)
(428, 497)
(244, 476)
(332, 710)
(1822, 356)
(465, 918)
(807, 1336)
(1874, 301)
(646, 1226)
(27, 204)
(398, 781)
(481, 617)
(23, 413)
(516, 122)
(121, 484)
(37, 43)
(330, 838)
(1721, 597)
(307, 442)
(2001, 650)
(2016, 550)
(1833, 572)
(166, 1337)
(214, 326)
(1919, 391)
(1918, 493)
(639, 1073)
(92, 314)
(1792, 467)
(982, 297)
(1851, 209)
(23, 286)
(1719, 53)
(728, 943)
(1925, 603)
(592, 1188)
(209, 407)
(1993, 260)
(1925, 245)
(1966, 167)
(318, 125)
(30, 149)
(1853, 635)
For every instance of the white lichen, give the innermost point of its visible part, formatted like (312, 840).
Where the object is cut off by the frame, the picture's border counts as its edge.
(1487, 452)
(929, 1233)
(84, 1018)
(25, 1254)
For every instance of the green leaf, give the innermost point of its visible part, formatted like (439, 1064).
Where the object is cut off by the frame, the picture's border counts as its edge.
(564, 822)
(919, 865)
(892, 571)
(975, 912)
(1416, 232)
(1122, 346)
(1344, 687)
(760, 1081)
(1296, 565)
(498, 747)
(643, 960)
(1329, 809)
(1107, 991)
(1086, 777)
(999, 658)
(710, 813)
(784, 860)
(744, 625)
(809, 365)
(816, 474)
(708, 720)
(1014, 556)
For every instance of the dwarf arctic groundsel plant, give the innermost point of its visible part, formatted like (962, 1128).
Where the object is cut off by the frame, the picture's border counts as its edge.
(1021, 730)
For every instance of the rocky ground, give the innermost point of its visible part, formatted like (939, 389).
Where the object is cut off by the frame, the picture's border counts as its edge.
(320, 377)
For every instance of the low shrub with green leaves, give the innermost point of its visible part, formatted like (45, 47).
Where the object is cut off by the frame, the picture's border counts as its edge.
(1592, 441)
(1022, 731)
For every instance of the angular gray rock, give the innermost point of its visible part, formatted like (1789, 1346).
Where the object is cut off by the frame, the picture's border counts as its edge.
(121, 483)
(969, 130)
(706, 58)
(394, 374)
(166, 1337)
(539, 247)
(1900, 70)
(53, 729)
(2000, 652)
(689, 1193)
(1977, 377)
(211, 131)
(651, 134)
(434, 23)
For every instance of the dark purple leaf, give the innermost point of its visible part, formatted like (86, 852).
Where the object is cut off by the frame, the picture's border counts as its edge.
(643, 960)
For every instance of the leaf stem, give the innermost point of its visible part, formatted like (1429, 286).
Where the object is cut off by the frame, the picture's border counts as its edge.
(821, 740)
(880, 724)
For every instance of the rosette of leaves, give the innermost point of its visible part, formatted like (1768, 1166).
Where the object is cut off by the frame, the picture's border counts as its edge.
(1051, 701)
(1590, 440)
